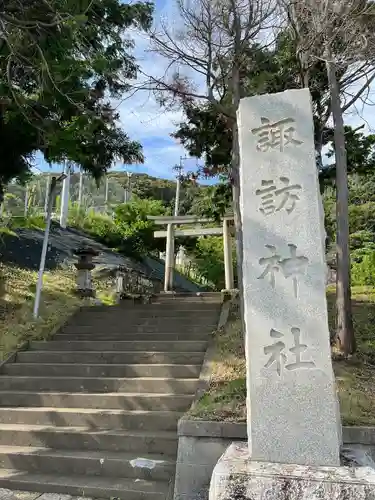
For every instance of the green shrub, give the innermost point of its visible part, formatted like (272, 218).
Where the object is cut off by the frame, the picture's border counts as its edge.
(359, 254)
(330, 219)
(361, 239)
(363, 272)
(31, 221)
(362, 217)
(103, 228)
(138, 232)
(208, 258)
(100, 226)
(77, 215)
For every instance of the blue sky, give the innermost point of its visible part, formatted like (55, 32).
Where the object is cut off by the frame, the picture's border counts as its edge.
(144, 120)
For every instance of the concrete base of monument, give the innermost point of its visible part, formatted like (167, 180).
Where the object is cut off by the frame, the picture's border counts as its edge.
(237, 477)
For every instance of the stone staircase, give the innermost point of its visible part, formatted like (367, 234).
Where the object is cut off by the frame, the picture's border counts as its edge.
(94, 411)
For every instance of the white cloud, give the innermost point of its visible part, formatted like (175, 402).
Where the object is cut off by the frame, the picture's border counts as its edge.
(141, 116)
(144, 120)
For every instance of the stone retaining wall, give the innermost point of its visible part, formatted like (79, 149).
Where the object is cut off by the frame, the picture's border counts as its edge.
(201, 444)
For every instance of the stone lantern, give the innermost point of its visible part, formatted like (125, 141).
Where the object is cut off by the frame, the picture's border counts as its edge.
(84, 267)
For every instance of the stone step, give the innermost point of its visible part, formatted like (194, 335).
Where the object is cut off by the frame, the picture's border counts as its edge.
(121, 345)
(90, 463)
(160, 308)
(96, 384)
(117, 400)
(111, 357)
(106, 370)
(200, 298)
(96, 334)
(84, 486)
(95, 419)
(137, 318)
(184, 330)
(84, 438)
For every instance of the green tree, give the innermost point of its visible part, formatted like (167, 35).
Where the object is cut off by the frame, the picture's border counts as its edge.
(60, 60)
(208, 259)
(340, 34)
(207, 132)
(137, 230)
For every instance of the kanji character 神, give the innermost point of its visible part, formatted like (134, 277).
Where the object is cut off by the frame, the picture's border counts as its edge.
(290, 266)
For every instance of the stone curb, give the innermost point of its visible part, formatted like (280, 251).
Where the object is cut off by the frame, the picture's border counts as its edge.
(232, 430)
(203, 428)
(206, 371)
(358, 435)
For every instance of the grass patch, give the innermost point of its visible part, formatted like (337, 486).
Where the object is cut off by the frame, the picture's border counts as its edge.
(225, 399)
(363, 300)
(57, 304)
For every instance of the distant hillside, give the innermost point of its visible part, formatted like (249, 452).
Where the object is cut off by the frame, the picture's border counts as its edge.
(143, 186)
(146, 186)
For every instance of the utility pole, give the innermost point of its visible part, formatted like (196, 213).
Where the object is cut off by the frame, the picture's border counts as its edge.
(128, 189)
(46, 197)
(169, 257)
(65, 197)
(26, 209)
(80, 189)
(42, 264)
(106, 192)
(130, 193)
(178, 169)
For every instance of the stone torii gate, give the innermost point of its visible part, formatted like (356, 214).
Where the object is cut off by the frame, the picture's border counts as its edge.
(172, 232)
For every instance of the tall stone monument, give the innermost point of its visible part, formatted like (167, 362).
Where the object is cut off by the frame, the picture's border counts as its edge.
(293, 431)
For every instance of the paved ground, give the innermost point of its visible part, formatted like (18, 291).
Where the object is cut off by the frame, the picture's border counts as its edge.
(27, 495)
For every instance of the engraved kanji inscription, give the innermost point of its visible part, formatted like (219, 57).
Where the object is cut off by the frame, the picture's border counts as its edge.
(275, 198)
(272, 265)
(279, 358)
(276, 351)
(275, 135)
(297, 350)
(290, 267)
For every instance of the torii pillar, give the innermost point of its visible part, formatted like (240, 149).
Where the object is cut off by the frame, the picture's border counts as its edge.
(169, 259)
(228, 260)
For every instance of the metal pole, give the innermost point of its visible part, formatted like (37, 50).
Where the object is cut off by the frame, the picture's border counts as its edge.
(170, 259)
(178, 187)
(39, 284)
(228, 262)
(80, 189)
(177, 199)
(65, 198)
(46, 197)
(129, 186)
(26, 208)
(106, 191)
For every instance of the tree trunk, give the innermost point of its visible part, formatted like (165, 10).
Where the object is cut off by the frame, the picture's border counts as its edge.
(235, 167)
(236, 202)
(345, 331)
